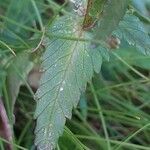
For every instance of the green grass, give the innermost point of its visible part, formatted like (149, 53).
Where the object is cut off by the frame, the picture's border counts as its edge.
(118, 98)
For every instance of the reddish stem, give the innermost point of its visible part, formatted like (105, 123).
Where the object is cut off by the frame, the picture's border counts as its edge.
(5, 130)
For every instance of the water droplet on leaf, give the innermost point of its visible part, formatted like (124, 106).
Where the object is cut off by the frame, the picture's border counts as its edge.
(61, 89)
(41, 70)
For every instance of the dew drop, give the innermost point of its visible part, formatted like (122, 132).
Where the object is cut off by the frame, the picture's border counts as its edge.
(50, 125)
(69, 32)
(50, 134)
(73, 1)
(74, 30)
(137, 117)
(131, 42)
(78, 7)
(45, 131)
(78, 3)
(35, 97)
(51, 145)
(61, 89)
(41, 70)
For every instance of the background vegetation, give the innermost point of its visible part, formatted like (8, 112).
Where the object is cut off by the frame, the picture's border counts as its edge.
(113, 113)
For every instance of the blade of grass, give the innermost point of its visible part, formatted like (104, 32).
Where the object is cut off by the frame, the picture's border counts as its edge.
(24, 130)
(123, 84)
(38, 14)
(100, 115)
(11, 50)
(78, 143)
(140, 147)
(56, 12)
(15, 145)
(1, 145)
(20, 39)
(20, 25)
(132, 135)
(129, 66)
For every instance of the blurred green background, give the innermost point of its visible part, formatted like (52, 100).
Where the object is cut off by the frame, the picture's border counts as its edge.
(119, 95)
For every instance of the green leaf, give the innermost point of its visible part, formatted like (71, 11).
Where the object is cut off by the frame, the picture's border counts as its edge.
(68, 65)
(3, 61)
(24, 14)
(2, 79)
(16, 73)
(93, 12)
(113, 13)
(97, 7)
(131, 29)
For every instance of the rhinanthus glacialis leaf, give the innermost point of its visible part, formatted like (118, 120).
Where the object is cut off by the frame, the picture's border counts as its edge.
(68, 65)
(132, 30)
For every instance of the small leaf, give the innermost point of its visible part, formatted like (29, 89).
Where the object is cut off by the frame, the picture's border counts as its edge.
(131, 29)
(113, 13)
(68, 65)
(93, 12)
(96, 8)
(17, 70)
